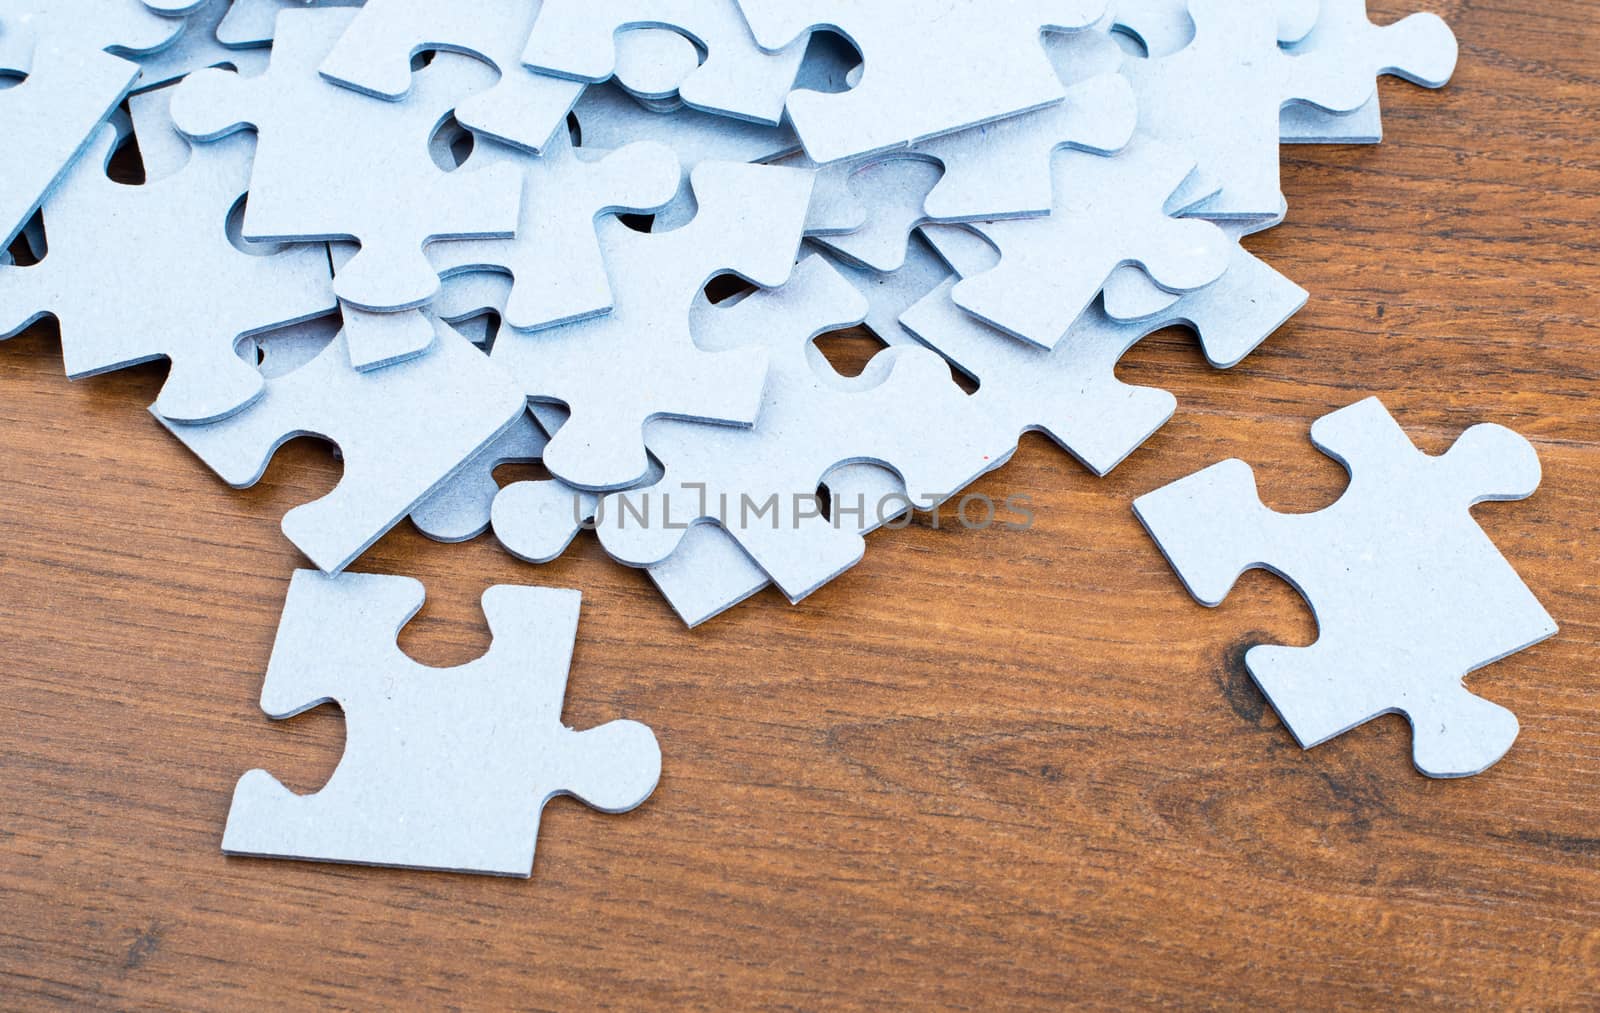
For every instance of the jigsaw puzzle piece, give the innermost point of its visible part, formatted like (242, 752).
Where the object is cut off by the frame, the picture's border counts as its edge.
(1233, 315)
(608, 119)
(993, 171)
(760, 483)
(296, 196)
(444, 769)
(441, 408)
(710, 573)
(1421, 49)
(929, 70)
(1409, 594)
(558, 273)
(1070, 393)
(640, 362)
(47, 121)
(169, 244)
(1109, 212)
(522, 108)
(571, 39)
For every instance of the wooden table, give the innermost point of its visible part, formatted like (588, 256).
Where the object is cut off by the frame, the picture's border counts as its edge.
(983, 769)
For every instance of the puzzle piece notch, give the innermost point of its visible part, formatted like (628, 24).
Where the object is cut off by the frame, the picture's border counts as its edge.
(441, 408)
(737, 78)
(1409, 594)
(294, 197)
(989, 65)
(169, 241)
(444, 769)
(460, 510)
(640, 362)
(1109, 212)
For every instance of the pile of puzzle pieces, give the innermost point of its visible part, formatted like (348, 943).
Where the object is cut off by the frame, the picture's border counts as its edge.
(482, 232)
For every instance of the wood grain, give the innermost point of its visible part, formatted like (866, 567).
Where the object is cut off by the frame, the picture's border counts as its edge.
(985, 769)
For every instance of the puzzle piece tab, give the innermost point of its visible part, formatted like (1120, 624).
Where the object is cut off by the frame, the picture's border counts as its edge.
(333, 164)
(444, 769)
(1409, 594)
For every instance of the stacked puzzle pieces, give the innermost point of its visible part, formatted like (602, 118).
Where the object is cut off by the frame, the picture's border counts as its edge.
(448, 235)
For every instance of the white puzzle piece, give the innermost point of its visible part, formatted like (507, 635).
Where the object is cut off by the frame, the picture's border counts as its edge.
(557, 271)
(1222, 96)
(809, 425)
(402, 431)
(523, 108)
(133, 273)
(444, 769)
(1421, 49)
(639, 362)
(1235, 314)
(1408, 592)
(48, 119)
(931, 68)
(385, 192)
(573, 39)
(1109, 212)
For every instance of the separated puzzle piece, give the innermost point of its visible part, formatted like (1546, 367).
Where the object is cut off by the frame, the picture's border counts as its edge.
(444, 769)
(332, 164)
(930, 69)
(1409, 594)
(760, 483)
(1109, 212)
(571, 39)
(558, 273)
(134, 273)
(640, 362)
(402, 431)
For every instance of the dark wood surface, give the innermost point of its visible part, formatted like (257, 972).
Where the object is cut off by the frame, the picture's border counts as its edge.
(984, 769)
